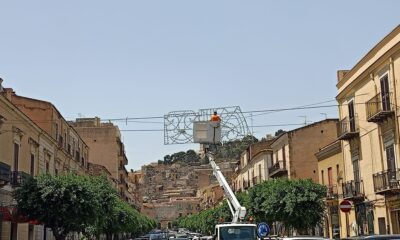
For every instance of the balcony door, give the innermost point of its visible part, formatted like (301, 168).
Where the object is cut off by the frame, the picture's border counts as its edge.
(352, 121)
(385, 93)
(391, 163)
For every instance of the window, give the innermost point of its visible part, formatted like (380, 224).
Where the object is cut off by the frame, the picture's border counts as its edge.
(322, 177)
(337, 172)
(330, 177)
(16, 156)
(32, 172)
(56, 130)
(352, 121)
(385, 93)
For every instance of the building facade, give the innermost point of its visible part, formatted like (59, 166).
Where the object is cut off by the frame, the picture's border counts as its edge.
(368, 96)
(330, 169)
(293, 151)
(107, 149)
(25, 151)
(253, 166)
(72, 152)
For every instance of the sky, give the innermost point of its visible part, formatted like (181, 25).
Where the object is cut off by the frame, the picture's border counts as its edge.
(118, 59)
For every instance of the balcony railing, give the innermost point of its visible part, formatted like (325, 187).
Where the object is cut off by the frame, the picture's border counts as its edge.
(353, 190)
(278, 169)
(387, 182)
(380, 107)
(5, 171)
(348, 128)
(18, 177)
(332, 192)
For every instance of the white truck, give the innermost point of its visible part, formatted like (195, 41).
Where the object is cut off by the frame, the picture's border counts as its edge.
(236, 229)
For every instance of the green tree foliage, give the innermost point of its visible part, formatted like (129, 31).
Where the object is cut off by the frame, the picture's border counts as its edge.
(72, 203)
(189, 157)
(66, 203)
(295, 203)
(233, 149)
(205, 221)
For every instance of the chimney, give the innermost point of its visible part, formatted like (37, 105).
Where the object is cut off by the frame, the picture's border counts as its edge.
(1, 85)
(341, 74)
(269, 136)
(8, 93)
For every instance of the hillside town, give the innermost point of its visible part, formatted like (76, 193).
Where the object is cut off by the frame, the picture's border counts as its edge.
(354, 155)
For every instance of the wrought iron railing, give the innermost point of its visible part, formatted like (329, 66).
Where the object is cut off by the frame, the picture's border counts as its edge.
(353, 189)
(331, 192)
(386, 180)
(348, 128)
(379, 106)
(279, 165)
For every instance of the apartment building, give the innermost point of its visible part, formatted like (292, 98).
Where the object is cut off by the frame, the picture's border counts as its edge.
(253, 166)
(330, 169)
(72, 151)
(368, 96)
(293, 151)
(25, 150)
(107, 149)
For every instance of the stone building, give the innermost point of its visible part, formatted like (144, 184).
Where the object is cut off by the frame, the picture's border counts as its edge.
(107, 149)
(368, 96)
(293, 151)
(28, 149)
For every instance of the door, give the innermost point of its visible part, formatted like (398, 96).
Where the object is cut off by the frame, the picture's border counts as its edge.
(352, 121)
(391, 165)
(385, 93)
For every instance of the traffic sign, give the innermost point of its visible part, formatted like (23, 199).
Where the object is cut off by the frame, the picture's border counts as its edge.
(345, 206)
(263, 230)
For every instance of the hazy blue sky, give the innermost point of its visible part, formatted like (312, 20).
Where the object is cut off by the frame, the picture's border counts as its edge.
(116, 59)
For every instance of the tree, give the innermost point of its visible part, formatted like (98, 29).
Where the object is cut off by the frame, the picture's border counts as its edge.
(65, 203)
(295, 203)
(191, 156)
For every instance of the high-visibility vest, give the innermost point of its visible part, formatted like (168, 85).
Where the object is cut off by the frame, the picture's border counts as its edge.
(215, 118)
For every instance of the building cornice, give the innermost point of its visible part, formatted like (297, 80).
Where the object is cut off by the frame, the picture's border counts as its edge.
(387, 44)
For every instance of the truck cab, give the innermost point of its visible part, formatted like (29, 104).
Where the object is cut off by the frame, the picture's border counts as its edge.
(235, 231)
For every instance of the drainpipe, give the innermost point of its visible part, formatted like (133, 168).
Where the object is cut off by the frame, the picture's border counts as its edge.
(391, 69)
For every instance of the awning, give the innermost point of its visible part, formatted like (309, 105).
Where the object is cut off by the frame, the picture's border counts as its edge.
(5, 214)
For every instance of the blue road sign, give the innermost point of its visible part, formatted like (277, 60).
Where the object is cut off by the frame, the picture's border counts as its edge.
(263, 230)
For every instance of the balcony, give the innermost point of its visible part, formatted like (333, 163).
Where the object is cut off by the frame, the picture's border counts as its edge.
(332, 192)
(5, 171)
(278, 169)
(353, 190)
(348, 128)
(387, 182)
(379, 108)
(18, 177)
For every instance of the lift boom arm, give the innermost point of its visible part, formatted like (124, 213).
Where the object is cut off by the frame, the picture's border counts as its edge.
(238, 211)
